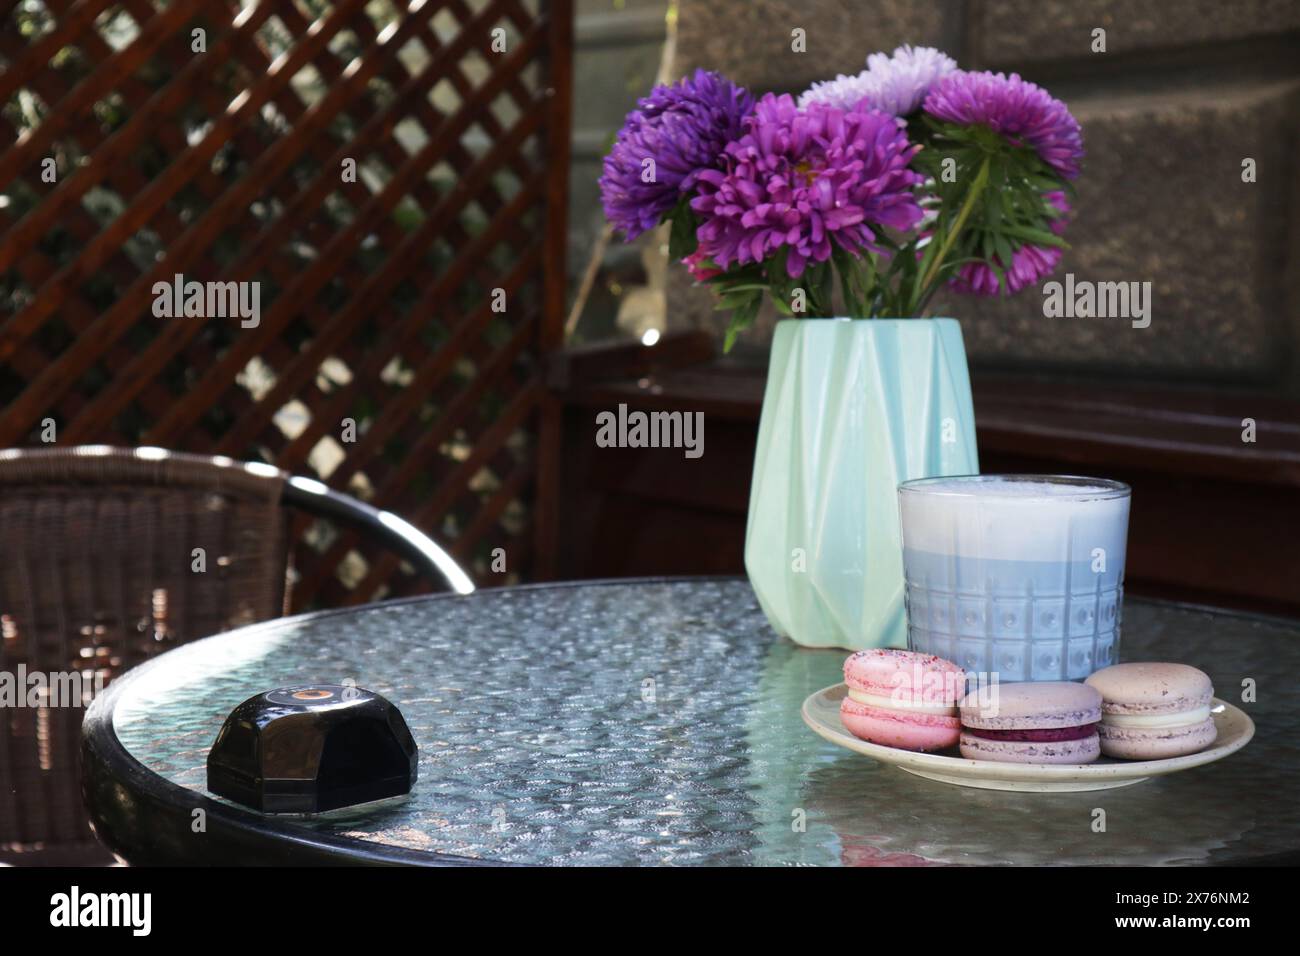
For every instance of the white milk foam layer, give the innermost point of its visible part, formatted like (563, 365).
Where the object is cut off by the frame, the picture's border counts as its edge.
(1000, 486)
(1005, 519)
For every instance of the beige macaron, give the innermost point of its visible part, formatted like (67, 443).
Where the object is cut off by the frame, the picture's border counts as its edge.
(1151, 711)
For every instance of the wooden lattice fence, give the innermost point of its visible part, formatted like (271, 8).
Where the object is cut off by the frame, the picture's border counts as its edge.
(214, 139)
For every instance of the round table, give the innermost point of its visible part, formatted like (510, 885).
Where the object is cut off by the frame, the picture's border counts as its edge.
(656, 722)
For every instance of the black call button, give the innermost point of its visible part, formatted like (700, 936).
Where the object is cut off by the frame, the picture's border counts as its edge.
(312, 748)
(315, 695)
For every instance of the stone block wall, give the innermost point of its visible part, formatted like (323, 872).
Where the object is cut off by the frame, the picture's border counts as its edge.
(1185, 91)
(617, 48)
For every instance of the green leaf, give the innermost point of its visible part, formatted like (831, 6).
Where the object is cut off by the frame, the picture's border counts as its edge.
(1001, 274)
(1003, 249)
(1044, 184)
(735, 299)
(738, 286)
(927, 257)
(1041, 237)
(730, 340)
(741, 318)
(681, 235)
(846, 266)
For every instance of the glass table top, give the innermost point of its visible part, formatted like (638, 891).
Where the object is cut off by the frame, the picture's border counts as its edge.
(654, 722)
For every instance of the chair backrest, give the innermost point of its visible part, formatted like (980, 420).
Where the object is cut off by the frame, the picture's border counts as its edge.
(110, 556)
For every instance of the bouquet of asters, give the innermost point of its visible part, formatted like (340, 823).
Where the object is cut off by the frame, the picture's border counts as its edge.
(882, 186)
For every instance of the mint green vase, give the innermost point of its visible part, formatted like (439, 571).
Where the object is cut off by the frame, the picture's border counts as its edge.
(852, 408)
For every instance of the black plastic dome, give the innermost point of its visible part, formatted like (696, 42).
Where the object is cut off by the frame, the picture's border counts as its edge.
(312, 748)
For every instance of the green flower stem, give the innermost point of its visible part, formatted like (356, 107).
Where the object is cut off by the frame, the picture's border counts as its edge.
(853, 284)
(851, 304)
(950, 236)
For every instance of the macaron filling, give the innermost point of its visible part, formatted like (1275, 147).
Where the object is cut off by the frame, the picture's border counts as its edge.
(1184, 718)
(1034, 735)
(903, 701)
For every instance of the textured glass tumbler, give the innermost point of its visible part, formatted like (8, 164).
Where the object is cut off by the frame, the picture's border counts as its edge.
(1021, 576)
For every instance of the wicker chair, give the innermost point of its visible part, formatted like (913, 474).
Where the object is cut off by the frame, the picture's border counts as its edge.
(99, 572)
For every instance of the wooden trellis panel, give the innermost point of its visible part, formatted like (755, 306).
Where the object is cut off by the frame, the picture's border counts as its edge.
(224, 160)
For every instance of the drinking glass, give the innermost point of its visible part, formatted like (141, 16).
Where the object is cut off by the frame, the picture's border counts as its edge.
(1018, 576)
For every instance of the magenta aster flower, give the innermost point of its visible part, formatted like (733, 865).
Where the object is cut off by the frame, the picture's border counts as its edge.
(696, 265)
(666, 142)
(1029, 263)
(1023, 113)
(801, 179)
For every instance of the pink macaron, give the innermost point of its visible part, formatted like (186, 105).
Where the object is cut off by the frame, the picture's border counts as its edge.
(1152, 711)
(1039, 722)
(902, 699)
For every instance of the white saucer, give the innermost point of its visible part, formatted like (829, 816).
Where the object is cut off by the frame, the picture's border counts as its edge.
(821, 712)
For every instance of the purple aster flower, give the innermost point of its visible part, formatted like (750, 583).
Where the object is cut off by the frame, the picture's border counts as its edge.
(1023, 113)
(802, 178)
(683, 130)
(896, 84)
(1029, 263)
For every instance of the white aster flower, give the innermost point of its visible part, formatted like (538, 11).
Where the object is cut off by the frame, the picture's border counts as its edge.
(843, 92)
(900, 82)
(896, 84)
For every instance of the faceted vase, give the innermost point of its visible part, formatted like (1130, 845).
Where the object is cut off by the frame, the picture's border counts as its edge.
(852, 408)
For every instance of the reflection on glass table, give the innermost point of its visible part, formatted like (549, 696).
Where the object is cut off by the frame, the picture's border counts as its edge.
(657, 722)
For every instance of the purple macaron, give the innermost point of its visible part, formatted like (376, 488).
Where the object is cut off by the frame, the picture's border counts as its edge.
(1040, 722)
(1152, 711)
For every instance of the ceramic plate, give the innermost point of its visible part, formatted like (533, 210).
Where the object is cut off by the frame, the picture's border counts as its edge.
(821, 712)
